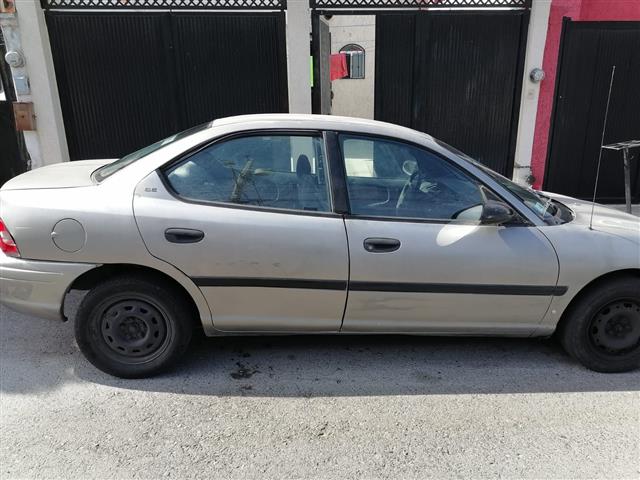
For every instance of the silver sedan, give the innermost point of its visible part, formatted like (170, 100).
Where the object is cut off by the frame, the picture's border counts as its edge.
(301, 224)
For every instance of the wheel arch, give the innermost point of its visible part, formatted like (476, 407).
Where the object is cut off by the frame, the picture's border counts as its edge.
(595, 283)
(95, 276)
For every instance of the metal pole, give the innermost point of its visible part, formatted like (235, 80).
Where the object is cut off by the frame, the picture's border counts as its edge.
(627, 178)
(604, 128)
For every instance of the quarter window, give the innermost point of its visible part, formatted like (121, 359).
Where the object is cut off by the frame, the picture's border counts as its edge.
(277, 171)
(392, 179)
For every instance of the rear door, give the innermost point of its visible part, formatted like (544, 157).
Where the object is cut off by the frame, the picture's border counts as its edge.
(250, 220)
(420, 260)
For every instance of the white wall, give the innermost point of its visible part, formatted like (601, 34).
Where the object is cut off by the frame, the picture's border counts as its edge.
(27, 32)
(354, 97)
(298, 61)
(536, 39)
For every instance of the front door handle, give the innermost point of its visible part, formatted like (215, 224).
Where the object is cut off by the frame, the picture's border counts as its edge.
(381, 245)
(183, 235)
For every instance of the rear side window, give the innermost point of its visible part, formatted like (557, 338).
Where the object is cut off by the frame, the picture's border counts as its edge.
(277, 171)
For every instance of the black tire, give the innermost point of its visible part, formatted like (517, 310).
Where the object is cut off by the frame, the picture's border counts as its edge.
(602, 329)
(133, 326)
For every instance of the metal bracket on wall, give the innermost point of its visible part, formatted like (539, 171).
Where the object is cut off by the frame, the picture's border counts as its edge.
(24, 115)
(7, 6)
(21, 84)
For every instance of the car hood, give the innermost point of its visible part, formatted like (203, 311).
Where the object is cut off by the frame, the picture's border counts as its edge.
(59, 175)
(605, 219)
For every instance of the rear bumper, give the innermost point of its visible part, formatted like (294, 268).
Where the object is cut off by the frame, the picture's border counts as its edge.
(35, 287)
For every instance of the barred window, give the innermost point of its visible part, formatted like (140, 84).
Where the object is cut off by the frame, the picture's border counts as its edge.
(355, 60)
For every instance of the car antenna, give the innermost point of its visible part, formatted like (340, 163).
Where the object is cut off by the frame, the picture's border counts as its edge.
(604, 128)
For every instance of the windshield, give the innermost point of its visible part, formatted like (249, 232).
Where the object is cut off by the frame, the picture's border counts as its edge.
(107, 170)
(542, 206)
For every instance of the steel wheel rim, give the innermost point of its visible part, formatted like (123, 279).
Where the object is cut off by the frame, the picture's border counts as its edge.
(134, 329)
(615, 329)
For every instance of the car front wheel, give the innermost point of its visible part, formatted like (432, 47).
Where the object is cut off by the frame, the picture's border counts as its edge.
(602, 329)
(133, 327)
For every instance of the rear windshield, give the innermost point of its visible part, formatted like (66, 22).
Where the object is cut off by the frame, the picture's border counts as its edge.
(107, 170)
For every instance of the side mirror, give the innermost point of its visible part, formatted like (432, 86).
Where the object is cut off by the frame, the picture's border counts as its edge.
(496, 213)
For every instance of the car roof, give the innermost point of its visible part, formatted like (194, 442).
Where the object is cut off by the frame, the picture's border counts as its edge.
(278, 121)
(321, 122)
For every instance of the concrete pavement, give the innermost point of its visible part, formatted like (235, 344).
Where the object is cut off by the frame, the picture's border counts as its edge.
(316, 407)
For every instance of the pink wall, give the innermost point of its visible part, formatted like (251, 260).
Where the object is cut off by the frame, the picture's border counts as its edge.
(584, 10)
(609, 10)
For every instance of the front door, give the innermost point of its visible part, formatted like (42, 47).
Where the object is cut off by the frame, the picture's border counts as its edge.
(249, 220)
(420, 261)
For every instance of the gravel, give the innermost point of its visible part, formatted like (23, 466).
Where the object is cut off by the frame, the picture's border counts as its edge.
(317, 407)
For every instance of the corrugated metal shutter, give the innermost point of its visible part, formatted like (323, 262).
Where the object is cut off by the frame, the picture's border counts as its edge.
(589, 50)
(465, 73)
(114, 78)
(230, 64)
(129, 79)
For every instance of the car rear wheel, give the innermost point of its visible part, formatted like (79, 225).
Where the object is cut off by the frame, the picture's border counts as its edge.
(133, 327)
(602, 330)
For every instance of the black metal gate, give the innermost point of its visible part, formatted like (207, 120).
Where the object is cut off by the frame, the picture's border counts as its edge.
(588, 52)
(456, 75)
(127, 79)
(10, 161)
(12, 151)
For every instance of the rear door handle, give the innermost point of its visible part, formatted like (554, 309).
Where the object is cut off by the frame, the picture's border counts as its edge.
(381, 245)
(183, 235)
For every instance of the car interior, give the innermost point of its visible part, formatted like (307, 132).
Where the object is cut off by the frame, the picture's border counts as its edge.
(257, 171)
(405, 181)
(384, 178)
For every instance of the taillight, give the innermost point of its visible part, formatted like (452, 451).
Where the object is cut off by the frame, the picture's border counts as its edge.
(7, 243)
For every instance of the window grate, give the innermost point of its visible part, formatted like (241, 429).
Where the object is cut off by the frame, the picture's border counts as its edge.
(389, 4)
(166, 4)
(355, 60)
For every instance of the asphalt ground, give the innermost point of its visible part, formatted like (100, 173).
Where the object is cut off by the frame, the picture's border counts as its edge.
(314, 407)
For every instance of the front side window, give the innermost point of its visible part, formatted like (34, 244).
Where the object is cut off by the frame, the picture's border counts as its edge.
(277, 171)
(548, 210)
(393, 179)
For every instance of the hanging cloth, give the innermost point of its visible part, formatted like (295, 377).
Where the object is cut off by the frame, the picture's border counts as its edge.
(339, 66)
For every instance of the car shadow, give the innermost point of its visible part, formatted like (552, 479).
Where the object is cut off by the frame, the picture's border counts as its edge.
(38, 355)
